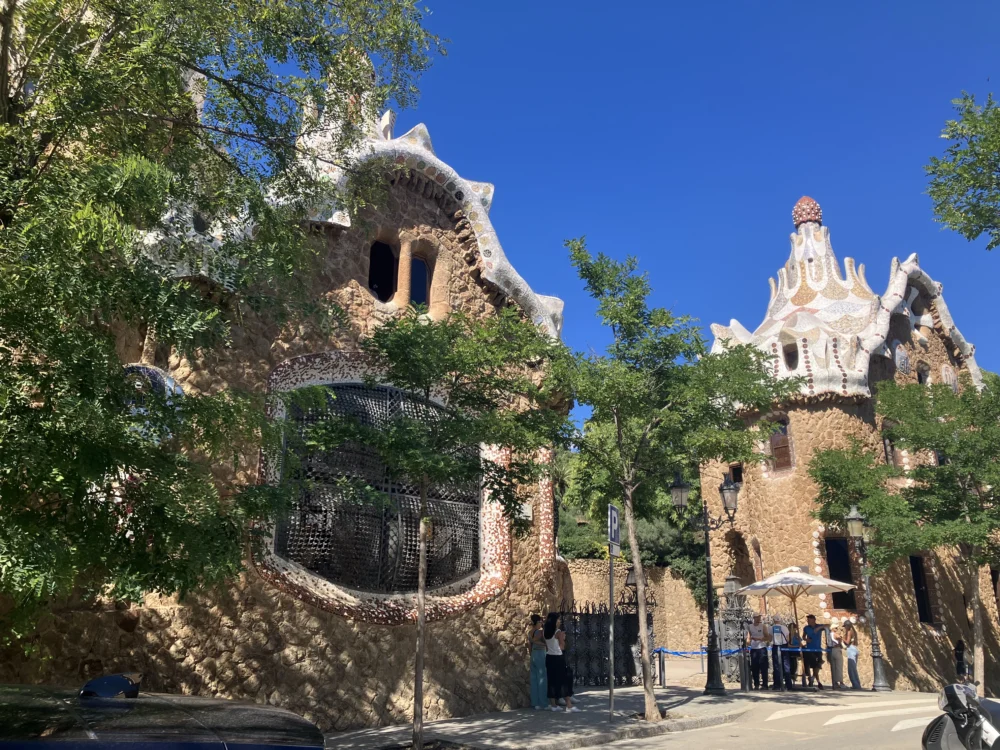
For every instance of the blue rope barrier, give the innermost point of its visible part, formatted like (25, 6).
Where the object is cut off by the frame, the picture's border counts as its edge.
(731, 651)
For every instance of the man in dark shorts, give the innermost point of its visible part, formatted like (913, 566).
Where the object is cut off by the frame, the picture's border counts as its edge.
(812, 656)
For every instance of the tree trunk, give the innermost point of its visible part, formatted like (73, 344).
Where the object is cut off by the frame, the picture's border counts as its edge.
(975, 600)
(418, 672)
(652, 709)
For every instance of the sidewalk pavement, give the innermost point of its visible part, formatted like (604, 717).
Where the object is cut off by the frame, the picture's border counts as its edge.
(686, 708)
(683, 701)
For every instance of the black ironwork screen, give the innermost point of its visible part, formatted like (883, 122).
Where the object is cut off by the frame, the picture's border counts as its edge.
(372, 546)
(587, 643)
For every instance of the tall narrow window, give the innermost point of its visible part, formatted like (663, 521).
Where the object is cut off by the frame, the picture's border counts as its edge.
(838, 559)
(923, 374)
(382, 266)
(781, 448)
(791, 352)
(420, 282)
(892, 456)
(920, 589)
(736, 473)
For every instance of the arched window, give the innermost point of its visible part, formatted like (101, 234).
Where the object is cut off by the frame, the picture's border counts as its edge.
(791, 352)
(923, 374)
(781, 447)
(902, 359)
(420, 282)
(370, 544)
(949, 378)
(382, 271)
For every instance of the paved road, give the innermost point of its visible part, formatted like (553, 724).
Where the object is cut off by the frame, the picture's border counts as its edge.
(894, 721)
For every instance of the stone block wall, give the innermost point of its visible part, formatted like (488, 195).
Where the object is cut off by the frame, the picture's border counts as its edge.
(678, 622)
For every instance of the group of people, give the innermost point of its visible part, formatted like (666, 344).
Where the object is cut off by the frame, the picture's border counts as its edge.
(551, 677)
(785, 640)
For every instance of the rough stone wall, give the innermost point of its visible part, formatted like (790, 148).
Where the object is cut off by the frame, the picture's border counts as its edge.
(678, 622)
(774, 529)
(252, 641)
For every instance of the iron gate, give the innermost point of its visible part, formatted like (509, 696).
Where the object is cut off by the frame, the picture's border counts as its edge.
(587, 653)
(736, 613)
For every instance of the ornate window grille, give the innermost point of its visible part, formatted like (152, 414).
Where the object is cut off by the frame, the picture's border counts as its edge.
(373, 546)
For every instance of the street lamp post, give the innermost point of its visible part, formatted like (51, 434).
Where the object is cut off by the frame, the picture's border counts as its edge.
(858, 528)
(729, 491)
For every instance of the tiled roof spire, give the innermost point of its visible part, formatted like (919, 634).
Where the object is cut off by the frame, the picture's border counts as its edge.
(806, 210)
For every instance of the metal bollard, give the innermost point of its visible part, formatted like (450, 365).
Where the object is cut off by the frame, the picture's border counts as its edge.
(744, 671)
(663, 671)
(701, 658)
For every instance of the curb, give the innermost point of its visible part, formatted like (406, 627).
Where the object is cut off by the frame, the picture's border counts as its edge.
(633, 731)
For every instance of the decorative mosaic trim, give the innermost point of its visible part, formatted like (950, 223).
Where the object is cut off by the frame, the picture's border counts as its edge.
(414, 152)
(385, 609)
(840, 323)
(546, 521)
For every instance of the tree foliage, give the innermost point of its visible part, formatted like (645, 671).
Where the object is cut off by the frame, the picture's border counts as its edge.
(965, 182)
(497, 381)
(953, 498)
(661, 404)
(119, 117)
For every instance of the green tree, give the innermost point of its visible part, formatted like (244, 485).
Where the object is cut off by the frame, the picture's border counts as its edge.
(965, 182)
(953, 500)
(122, 117)
(496, 381)
(661, 405)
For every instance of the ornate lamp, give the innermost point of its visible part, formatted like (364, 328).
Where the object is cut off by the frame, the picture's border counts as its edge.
(860, 531)
(679, 492)
(855, 523)
(729, 491)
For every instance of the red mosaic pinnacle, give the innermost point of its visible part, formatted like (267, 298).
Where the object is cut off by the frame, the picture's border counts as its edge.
(806, 210)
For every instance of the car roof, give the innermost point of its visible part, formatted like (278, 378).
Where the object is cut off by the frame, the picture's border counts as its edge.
(40, 714)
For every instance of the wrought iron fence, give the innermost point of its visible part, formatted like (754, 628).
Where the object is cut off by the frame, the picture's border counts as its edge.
(587, 648)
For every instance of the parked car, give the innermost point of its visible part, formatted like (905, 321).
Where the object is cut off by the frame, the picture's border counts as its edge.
(110, 711)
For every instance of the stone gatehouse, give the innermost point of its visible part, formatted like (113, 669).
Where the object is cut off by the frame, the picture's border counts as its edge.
(842, 338)
(322, 622)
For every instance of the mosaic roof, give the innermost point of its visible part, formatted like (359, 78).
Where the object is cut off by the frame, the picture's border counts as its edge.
(825, 325)
(414, 151)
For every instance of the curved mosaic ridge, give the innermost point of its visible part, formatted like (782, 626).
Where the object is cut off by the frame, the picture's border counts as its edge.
(414, 151)
(831, 324)
(384, 609)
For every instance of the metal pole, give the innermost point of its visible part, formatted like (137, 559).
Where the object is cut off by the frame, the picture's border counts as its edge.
(611, 636)
(701, 658)
(713, 685)
(879, 684)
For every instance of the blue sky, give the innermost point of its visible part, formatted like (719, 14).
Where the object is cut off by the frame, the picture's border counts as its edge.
(684, 134)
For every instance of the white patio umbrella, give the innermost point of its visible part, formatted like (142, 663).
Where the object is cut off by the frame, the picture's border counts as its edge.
(793, 583)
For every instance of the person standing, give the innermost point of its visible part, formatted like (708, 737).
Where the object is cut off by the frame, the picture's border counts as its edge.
(794, 650)
(812, 657)
(849, 638)
(835, 653)
(556, 672)
(779, 655)
(539, 680)
(757, 639)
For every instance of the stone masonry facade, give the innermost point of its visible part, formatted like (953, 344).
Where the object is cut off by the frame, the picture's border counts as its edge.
(904, 334)
(266, 640)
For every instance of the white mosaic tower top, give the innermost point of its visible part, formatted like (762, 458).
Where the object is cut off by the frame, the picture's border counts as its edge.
(825, 325)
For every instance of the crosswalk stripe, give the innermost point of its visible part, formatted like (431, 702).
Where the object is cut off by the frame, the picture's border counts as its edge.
(828, 709)
(843, 718)
(910, 723)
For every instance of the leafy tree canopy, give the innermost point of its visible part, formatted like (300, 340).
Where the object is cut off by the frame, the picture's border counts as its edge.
(955, 441)
(661, 404)
(965, 182)
(119, 117)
